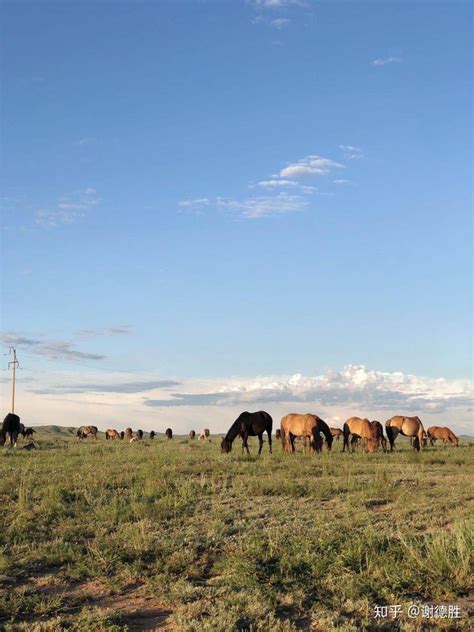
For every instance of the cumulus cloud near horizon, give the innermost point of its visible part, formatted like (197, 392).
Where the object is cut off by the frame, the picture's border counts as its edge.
(154, 402)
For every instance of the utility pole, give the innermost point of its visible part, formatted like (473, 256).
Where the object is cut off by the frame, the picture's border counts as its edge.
(14, 364)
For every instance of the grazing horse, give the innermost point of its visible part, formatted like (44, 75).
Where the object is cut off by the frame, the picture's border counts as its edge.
(169, 433)
(122, 435)
(406, 426)
(128, 433)
(443, 433)
(360, 429)
(307, 427)
(152, 434)
(111, 434)
(192, 435)
(377, 429)
(139, 435)
(278, 434)
(87, 431)
(205, 434)
(29, 432)
(249, 425)
(336, 433)
(11, 426)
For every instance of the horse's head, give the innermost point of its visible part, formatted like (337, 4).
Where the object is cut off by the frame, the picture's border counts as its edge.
(226, 446)
(373, 444)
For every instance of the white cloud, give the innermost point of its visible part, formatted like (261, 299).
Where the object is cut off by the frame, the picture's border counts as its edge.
(341, 181)
(383, 61)
(351, 152)
(193, 403)
(310, 166)
(280, 183)
(279, 23)
(114, 330)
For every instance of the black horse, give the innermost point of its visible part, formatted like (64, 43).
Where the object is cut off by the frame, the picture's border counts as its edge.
(249, 425)
(152, 434)
(169, 433)
(11, 426)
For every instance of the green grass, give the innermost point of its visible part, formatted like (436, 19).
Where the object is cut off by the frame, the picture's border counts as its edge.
(96, 535)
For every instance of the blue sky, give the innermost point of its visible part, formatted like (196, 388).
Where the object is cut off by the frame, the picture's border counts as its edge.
(202, 190)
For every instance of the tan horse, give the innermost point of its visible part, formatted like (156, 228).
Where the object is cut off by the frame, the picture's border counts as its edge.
(336, 433)
(444, 434)
(406, 426)
(360, 429)
(307, 427)
(111, 434)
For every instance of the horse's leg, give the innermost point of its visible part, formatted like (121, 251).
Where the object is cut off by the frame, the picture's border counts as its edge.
(260, 443)
(269, 433)
(292, 441)
(246, 436)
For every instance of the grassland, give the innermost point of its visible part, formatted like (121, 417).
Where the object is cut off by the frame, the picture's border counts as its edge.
(173, 535)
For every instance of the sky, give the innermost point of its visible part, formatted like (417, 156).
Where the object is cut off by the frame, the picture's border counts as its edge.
(209, 207)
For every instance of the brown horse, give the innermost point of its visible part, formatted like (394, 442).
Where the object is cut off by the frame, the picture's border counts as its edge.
(307, 427)
(85, 432)
(444, 434)
(129, 433)
(169, 433)
(152, 434)
(360, 429)
(406, 426)
(336, 433)
(278, 434)
(192, 435)
(111, 434)
(139, 435)
(378, 432)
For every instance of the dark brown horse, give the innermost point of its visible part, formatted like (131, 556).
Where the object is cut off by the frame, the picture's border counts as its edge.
(152, 434)
(249, 425)
(12, 427)
(139, 435)
(377, 429)
(278, 434)
(169, 433)
(192, 435)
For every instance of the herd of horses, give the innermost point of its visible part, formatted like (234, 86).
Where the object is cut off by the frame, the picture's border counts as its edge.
(315, 431)
(91, 432)
(309, 428)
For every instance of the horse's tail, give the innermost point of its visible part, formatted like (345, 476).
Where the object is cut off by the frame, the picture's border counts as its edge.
(282, 438)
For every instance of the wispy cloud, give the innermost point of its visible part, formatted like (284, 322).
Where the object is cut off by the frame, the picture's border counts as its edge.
(54, 350)
(116, 387)
(383, 61)
(351, 153)
(114, 330)
(69, 208)
(251, 207)
(281, 183)
(342, 181)
(278, 4)
(280, 23)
